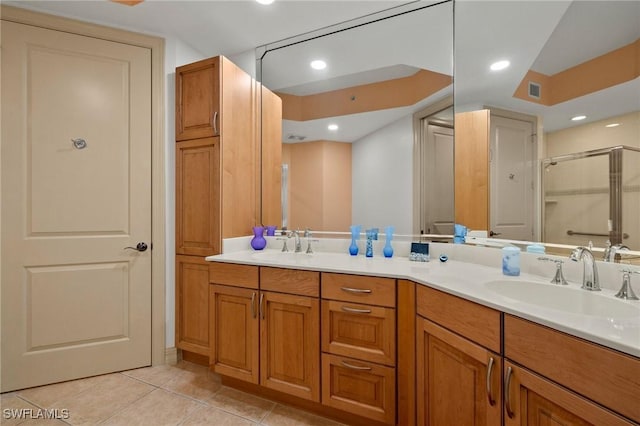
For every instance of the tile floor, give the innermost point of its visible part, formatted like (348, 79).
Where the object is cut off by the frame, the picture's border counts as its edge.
(183, 394)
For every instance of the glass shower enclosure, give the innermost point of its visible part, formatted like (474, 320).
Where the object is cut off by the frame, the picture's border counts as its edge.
(592, 196)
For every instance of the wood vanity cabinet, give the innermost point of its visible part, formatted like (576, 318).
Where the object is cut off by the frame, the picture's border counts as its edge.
(359, 345)
(265, 327)
(458, 361)
(566, 379)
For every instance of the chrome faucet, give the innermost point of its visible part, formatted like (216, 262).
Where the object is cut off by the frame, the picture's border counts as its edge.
(611, 251)
(590, 279)
(296, 235)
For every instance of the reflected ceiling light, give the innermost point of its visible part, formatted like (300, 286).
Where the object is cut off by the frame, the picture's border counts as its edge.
(265, 1)
(612, 125)
(318, 64)
(500, 65)
(579, 117)
(332, 127)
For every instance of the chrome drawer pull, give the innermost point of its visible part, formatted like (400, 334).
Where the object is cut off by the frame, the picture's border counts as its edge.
(507, 393)
(253, 304)
(356, 310)
(492, 401)
(355, 367)
(355, 290)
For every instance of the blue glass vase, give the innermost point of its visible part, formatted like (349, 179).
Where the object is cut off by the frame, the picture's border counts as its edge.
(369, 247)
(355, 233)
(258, 242)
(388, 250)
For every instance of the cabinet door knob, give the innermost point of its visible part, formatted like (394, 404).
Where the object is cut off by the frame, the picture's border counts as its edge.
(261, 305)
(492, 401)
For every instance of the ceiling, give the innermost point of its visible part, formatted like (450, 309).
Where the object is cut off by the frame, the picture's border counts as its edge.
(546, 36)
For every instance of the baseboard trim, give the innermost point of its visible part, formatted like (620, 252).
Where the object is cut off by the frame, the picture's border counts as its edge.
(171, 355)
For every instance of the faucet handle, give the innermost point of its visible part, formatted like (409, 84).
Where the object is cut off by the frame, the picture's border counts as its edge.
(626, 291)
(559, 276)
(284, 243)
(309, 241)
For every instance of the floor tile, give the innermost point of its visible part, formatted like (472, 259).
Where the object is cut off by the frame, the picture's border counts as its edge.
(156, 408)
(286, 416)
(197, 386)
(213, 416)
(16, 407)
(98, 403)
(242, 404)
(47, 396)
(156, 375)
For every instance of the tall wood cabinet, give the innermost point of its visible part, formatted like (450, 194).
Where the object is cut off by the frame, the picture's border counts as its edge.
(219, 174)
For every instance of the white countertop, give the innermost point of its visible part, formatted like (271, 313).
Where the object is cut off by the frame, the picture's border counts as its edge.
(468, 280)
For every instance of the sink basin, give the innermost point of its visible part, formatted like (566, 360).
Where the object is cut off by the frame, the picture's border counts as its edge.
(566, 299)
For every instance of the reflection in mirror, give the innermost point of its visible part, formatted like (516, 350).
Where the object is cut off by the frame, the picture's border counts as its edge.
(348, 128)
(574, 74)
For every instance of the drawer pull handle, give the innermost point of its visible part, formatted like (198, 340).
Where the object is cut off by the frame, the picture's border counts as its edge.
(492, 401)
(214, 124)
(507, 394)
(253, 304)
(356, 290)
(355, 367)
(261, 305)
(356, 310)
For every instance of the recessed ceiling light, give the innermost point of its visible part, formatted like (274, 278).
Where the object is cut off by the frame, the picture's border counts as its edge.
(318, 64)
(500, 65)
(265, 1)
(612, 125)
(332, 127)
(579, 117)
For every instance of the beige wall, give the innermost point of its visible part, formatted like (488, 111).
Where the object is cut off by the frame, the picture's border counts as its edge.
(319, 185)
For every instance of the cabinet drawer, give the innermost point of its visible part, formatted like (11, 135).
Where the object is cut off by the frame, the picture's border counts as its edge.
(359, 331)
(471, 320)
(359, 387)
(603, 375)
(233, 275)
(292, 281)
(359, 289)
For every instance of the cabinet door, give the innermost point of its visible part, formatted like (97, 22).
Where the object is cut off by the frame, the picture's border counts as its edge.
(198, 197)
(359, 331)
(192, 304)
(359, 387)
(290, 344)
(458, 381)
(198, 100)
(234, 332)
(531, 400)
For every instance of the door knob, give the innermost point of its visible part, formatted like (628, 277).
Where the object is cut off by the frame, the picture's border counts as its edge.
(139, 247)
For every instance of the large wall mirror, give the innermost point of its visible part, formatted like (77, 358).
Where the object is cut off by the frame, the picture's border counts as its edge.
(348, 142)
(564, 115)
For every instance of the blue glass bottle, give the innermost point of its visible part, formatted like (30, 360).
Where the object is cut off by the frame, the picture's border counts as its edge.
(355, 233)
(388, 250)
(369, 248)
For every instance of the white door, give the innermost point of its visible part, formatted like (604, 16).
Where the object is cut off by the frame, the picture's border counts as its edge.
(437, 168)
(75, 302)
(511, 170)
